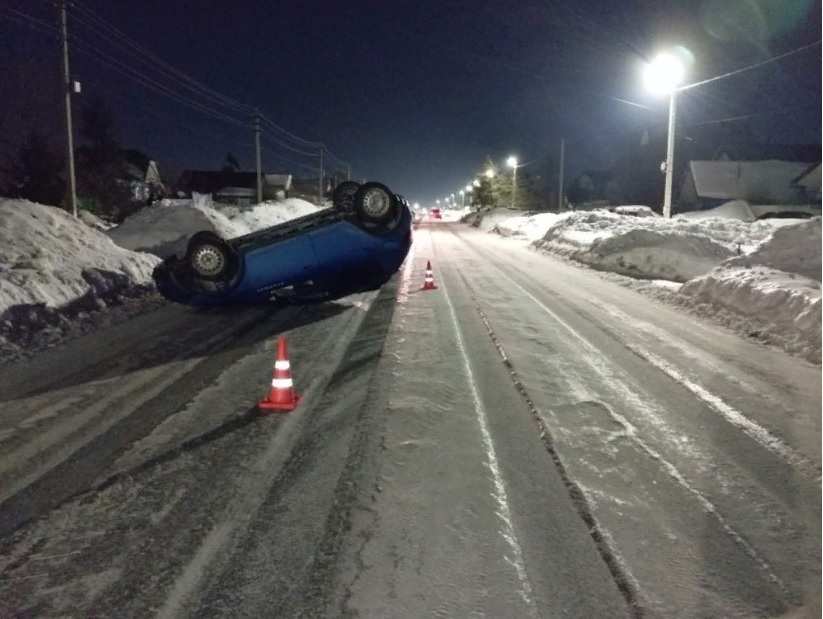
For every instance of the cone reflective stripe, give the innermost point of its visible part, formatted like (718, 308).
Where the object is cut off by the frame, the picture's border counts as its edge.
(428, 281)
(282, 396)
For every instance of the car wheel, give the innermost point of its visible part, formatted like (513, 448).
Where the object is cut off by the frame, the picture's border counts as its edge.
(343, 196)
(376, 206)
(210, 258)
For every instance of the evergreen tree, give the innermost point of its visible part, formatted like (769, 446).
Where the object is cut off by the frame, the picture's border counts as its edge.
(36, 172)
(101, 165)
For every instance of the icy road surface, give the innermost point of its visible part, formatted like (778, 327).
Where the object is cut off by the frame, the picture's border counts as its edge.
(528, 440)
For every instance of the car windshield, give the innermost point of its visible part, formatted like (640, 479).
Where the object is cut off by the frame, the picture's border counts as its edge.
(411, 309)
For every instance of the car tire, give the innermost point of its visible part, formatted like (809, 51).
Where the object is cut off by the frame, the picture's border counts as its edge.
(376, 207)
(210, 257)
(343, 196)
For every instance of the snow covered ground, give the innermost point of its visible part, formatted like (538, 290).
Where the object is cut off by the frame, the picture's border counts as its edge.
(454, 214)
(50, 261)
(164, 229)
(57, 272)
(762, 276)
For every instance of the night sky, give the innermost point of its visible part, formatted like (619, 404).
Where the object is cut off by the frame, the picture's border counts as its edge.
(418, 93)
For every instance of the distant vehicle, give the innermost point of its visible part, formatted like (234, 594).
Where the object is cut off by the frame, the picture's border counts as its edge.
(356, 245)
(436, 214)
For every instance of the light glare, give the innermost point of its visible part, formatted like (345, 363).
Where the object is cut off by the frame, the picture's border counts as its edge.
(664, 74)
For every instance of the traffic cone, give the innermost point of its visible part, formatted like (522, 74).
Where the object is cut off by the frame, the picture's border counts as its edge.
(428, 282)
(282, 396)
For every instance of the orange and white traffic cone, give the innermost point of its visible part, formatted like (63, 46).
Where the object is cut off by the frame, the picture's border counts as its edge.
(282, 396)
(428, 282)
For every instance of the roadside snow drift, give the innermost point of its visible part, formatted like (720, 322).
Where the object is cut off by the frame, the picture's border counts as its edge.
(165, 229)
(760, 277)
(48, 259)
(642, 247)
(793, 248)
(782, 308)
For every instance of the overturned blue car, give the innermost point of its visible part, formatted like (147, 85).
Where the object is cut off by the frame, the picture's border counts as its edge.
(356, 245)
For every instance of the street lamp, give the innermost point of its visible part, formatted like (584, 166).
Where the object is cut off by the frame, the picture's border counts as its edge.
(662, 76)
(462, 199)
(490, 173)
(512, 163)
(476, 183)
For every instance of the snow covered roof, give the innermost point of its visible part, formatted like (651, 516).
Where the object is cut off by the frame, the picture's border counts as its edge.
(210, 181)
(810, 179)
(755, 181)
(278, 180)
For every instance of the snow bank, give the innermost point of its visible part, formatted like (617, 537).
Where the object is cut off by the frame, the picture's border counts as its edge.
(90, 219)
(530, 227)
(165, 229)
(643, 247)
(778, 307)
(486, 220)
(793, 248)
(48, 259)
(454, 214)
(741, 210)
(635, 210)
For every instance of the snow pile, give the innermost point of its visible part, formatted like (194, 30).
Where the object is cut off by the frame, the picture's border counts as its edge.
(530, 227)
(454, 214)
(634, 210)
(487, 219)
(165, 229)
(778, 307)
(791, 248)
(741, 210)
(49, 261)
(90, 219)
(643, 247)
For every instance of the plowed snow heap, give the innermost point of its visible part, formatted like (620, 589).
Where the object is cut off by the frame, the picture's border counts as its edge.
(50, 261)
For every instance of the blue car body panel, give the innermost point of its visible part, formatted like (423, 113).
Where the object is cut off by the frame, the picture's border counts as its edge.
(322, 256)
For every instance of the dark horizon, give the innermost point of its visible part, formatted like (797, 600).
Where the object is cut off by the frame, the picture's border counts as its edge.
(419, 94)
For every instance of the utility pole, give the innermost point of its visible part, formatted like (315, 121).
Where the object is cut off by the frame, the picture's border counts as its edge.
(514, 186)
(320, 183)
(257, 149)
(560, 178)
(67, 88)
(667, 197)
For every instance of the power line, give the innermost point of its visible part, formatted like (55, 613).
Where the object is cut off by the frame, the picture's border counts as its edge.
(750, 67)
(151, 84)
(291, 148)
(29, 20)
(754, 115)
(213, 98)
(277, 127)
(112, 33)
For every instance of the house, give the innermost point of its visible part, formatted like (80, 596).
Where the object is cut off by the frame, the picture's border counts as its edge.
(143, 179)
(809, 182)
(234, 187)
(707, 184)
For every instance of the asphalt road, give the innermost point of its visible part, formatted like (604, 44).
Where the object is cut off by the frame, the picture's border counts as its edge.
(530, 439)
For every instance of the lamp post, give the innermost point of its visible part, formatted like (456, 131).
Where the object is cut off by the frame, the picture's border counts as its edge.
(662, 76)
(469, 189)
(462, 199)
(512, 163)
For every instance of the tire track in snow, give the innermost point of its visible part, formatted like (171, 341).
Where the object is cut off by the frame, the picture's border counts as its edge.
(594, 361)
(623, 578)
(752, 429)
(500, 495)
